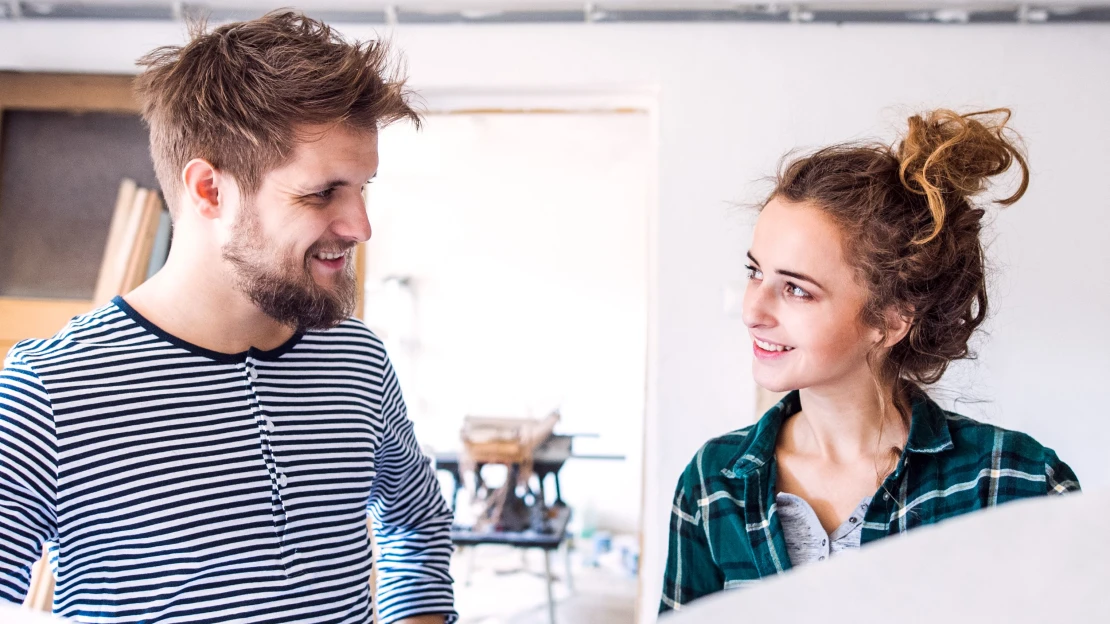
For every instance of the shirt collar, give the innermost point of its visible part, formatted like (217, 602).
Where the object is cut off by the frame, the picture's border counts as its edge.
(928, 431)
(928, 426)
(761, 450)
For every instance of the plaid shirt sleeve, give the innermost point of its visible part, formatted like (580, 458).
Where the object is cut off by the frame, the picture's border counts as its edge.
(1059, 478)
(691, 571)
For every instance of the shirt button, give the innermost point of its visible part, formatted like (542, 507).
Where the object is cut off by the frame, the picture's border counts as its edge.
(823, 542)
(852, 520)
(886, 497)
(254, 374)
(283, 480)
(270, 425)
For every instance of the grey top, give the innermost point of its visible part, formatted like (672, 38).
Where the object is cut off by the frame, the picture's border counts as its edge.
(806, 540)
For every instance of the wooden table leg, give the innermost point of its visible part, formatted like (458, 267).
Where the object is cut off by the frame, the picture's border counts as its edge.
(40, 595)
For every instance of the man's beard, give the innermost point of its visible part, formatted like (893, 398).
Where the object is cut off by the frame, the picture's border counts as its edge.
(285, 290)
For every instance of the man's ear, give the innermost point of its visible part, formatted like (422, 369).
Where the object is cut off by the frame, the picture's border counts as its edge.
(898, 324)
(202, 187)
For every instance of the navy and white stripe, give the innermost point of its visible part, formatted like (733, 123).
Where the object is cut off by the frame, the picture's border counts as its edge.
(184, 485)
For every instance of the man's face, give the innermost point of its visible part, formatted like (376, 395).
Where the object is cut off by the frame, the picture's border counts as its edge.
(292, 244)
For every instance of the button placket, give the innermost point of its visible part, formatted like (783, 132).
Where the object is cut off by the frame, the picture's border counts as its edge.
(278, 480)
(290, 557)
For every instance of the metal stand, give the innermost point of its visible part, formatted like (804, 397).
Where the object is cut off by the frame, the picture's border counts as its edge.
(566, 555)
(550, 583)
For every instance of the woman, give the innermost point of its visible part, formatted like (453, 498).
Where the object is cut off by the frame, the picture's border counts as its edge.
(866, 280)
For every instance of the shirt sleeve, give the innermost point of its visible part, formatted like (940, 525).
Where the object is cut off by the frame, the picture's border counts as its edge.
(691, 571)
(412, 522)
(28, 476)
(1059, 478)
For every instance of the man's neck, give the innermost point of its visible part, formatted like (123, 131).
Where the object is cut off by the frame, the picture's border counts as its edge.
(200, 305)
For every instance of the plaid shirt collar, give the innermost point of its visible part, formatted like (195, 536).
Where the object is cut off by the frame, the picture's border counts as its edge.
(929, 432)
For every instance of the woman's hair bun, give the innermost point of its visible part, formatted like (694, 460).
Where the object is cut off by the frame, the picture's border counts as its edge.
(948, 157)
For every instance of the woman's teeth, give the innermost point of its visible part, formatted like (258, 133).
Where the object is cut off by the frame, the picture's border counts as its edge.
(766, 346)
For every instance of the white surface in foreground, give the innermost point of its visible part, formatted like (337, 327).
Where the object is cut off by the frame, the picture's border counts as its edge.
(15, 614)
(1043, 560)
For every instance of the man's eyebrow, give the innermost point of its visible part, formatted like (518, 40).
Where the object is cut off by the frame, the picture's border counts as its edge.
(338, 182)
(798, 276)
(330, 184)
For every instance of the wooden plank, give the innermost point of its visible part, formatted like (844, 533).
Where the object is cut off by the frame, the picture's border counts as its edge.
(116, 265)
(105, 282)
(139, 260)
(69, 92)
(375, 557)
(37, 318)
(40, 595)
(360, 280)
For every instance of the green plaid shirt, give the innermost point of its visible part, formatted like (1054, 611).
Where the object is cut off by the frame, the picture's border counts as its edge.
(725, 532)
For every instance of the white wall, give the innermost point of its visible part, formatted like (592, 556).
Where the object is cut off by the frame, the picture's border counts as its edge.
(524, 239)
(731, 100)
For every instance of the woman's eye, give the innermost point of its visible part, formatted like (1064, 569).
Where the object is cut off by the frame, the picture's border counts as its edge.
(754, 273)
(324, 195)
(796, 291)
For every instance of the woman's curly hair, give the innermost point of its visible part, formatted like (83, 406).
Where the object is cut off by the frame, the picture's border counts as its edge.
(912, 231)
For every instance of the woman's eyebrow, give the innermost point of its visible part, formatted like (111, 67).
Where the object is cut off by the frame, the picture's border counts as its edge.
(798, 276)
(801, 276)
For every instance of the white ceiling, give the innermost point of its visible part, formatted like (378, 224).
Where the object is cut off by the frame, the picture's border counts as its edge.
(465, 5)
(550, 11)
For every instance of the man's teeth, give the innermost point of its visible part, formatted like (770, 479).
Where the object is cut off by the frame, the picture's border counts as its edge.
(330, 256)
(766, 346)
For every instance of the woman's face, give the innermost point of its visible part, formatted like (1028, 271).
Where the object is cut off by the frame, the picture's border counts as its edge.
(803, 303)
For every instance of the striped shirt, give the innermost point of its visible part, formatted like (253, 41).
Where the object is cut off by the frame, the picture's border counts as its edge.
(726, 532)
(177, 484)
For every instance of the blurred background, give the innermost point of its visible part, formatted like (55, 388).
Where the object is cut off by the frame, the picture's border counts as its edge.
(567, 232)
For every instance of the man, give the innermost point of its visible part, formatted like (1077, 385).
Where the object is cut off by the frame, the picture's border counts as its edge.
(206, 448)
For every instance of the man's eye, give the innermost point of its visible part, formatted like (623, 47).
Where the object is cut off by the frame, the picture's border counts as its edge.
(324, 195)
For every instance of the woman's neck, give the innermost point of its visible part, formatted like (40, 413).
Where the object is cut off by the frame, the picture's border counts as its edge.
(845, 422)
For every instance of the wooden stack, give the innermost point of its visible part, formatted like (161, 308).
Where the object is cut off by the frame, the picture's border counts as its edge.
(130, 242)
(126, 264)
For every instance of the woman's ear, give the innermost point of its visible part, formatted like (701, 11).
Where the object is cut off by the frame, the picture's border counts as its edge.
(898, 324)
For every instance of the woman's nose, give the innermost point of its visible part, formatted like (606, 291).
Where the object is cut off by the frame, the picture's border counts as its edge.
(758, 306)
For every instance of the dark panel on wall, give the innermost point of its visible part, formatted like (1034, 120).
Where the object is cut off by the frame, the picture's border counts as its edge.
(59, 174)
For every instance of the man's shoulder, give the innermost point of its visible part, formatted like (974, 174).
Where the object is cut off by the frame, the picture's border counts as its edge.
(104, 327)
(352, 337)
(351, 330)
